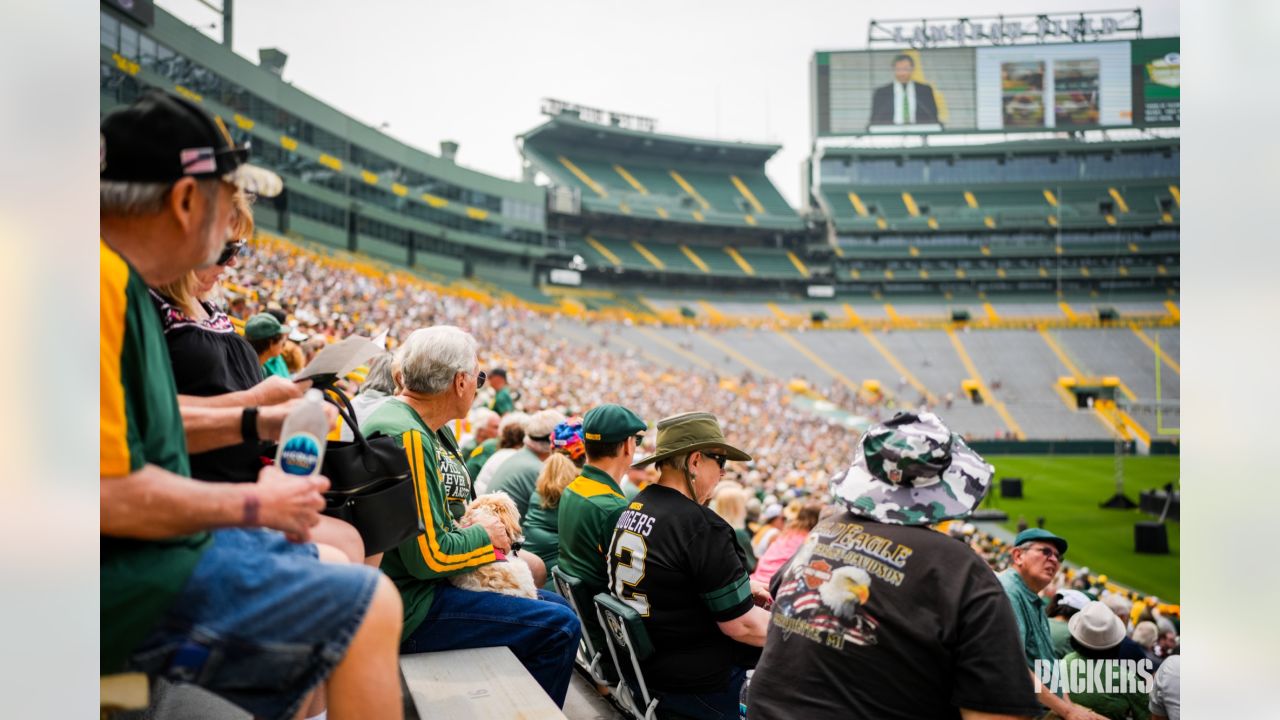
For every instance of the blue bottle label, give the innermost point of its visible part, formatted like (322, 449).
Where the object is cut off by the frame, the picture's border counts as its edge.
(300, 454)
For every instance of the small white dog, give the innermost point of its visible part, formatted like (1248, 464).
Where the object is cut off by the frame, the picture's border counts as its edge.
(507, 576)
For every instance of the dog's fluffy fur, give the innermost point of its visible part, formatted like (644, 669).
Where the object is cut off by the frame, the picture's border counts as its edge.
(512, 577)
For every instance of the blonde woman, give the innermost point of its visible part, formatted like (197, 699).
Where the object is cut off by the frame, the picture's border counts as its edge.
(542, 527)
(211, 361)
(729, 501)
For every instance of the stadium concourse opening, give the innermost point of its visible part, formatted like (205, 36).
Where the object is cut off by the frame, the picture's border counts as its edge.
(985, 258)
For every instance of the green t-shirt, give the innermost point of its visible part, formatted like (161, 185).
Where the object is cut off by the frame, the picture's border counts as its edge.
(480, 455)
(1119, 706)
(518, 477)
(541, 529)
(140, 425)
(416, 565)
(275, 366)
(502, 402)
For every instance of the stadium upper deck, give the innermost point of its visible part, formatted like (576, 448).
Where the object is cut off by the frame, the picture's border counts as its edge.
(347, 184)
(652, 176)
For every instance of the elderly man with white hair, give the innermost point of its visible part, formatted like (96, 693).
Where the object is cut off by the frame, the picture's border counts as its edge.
(437, 375)
(519, 474)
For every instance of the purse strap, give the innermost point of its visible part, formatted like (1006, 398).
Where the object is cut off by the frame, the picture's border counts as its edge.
(328, 384)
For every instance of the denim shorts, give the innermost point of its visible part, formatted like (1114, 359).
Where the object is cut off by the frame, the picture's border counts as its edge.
(260, 622)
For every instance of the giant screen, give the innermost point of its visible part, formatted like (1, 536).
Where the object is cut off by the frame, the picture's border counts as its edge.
(1061, 86)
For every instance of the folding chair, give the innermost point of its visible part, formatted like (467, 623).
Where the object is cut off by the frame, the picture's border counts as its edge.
(629, 644)
(591, 658)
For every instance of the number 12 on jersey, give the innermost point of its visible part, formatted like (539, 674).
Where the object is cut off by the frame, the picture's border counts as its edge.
(629, 551)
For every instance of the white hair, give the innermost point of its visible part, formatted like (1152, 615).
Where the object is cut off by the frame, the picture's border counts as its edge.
(511, 418)
(134, 199)
(540, 425)
(480, 416)
(431, 357)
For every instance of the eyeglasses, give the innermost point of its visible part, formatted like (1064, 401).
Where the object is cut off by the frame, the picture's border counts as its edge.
(230, 250)
(719, 459)
(1048, 552)
(639, 438)
(480, 378)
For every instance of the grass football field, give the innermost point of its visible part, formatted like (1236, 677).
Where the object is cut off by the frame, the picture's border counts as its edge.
(1067, 490)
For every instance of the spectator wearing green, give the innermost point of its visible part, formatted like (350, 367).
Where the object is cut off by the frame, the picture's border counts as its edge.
(267, 335)
(502, 402)
(484, 427)
(519, 474)
(591, 505)
(510, 441)
(1036, 558)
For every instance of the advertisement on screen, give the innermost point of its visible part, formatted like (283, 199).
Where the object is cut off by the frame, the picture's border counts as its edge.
(1156, 91)
(1054, 87)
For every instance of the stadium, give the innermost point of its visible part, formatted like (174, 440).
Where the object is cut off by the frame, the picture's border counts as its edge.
(1000, 254)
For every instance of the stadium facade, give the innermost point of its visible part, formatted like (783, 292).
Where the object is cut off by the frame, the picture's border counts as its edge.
(1071, 235)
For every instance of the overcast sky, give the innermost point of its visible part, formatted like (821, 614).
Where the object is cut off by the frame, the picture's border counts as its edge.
(475, 71)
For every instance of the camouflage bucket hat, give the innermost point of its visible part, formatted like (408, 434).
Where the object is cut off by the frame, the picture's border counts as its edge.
(912, 470)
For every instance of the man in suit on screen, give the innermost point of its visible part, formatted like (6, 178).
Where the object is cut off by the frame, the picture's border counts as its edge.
(904, 101)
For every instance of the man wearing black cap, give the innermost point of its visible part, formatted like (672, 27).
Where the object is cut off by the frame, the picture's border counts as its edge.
(246, 611)
(502, 402)
(680, 566)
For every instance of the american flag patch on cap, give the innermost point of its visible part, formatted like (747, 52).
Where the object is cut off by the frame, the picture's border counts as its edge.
(198, 161)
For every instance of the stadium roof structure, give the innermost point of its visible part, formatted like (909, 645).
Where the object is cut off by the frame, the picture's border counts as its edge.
(654, 176)
(565, 128)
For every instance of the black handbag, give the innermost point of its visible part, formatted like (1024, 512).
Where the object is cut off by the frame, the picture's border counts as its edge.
(370, 485)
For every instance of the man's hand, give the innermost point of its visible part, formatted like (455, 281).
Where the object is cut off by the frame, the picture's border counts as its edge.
(760, 592)
(288, 503)
(271, 418)
(276, 389)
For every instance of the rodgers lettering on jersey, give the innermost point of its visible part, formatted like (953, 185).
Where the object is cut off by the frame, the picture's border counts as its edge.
(636, 522)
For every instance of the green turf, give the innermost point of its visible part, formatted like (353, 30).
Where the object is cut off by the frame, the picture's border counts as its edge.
(1066, 491)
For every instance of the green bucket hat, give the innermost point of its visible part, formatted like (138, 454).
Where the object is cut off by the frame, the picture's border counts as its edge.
(912, 470)
(680, 434)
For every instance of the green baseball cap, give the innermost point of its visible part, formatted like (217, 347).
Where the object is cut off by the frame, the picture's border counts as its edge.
(1032, 534)
(611, 424)
(680, 434)
(263, 326)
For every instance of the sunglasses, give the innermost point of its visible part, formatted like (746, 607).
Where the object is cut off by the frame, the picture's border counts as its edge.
(719, 459)
(480, 378)
(232, 249)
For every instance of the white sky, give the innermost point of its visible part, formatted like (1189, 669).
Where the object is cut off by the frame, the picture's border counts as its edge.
(475, 71)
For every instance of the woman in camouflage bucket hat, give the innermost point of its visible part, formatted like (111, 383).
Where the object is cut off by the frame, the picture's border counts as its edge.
(912, 470)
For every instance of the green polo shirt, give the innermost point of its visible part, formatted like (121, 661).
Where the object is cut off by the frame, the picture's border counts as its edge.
(1033, 624)
(275, 366)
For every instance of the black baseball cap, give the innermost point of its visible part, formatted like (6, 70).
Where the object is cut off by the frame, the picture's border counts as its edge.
(162, 138)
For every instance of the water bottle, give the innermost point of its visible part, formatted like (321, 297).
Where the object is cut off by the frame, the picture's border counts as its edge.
(302, 438)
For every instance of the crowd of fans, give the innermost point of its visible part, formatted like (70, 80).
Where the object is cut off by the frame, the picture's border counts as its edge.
(557, 428)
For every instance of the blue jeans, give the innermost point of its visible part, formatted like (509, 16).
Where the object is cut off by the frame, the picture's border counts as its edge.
(543, 634)
(719, 705)
(260, 622)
